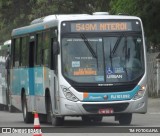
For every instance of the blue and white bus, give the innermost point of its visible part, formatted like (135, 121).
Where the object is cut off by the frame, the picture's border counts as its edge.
(4, 78)
(80, 65)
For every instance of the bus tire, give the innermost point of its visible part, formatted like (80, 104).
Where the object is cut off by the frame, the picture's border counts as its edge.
(51, 118)
(27, 116)
(125, 119)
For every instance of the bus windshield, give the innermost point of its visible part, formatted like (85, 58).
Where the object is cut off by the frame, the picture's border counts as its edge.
(119, 58)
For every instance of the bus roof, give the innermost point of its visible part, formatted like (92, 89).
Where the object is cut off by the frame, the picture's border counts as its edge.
(8, 42)
(70, 17)
(53, 20)
(6, 45)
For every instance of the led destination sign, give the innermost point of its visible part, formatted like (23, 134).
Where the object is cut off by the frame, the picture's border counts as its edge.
(101, 26)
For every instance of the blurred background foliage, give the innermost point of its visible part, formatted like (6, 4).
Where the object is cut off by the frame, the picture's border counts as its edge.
(18, 13)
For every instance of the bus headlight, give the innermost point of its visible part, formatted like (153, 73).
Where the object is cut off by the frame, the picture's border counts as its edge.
(140, 93)
(69, 95)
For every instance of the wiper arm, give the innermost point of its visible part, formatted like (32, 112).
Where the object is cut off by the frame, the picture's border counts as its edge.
(116, 44)
(110, 56)
(89, 46)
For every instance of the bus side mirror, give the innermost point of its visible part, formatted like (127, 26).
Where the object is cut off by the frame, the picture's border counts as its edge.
(56, 48)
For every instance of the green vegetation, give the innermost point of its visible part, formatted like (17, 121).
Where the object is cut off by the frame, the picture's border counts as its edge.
(148, 11)
(17, 13)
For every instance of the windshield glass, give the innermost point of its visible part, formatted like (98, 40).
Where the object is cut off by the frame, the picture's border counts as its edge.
(102, 59)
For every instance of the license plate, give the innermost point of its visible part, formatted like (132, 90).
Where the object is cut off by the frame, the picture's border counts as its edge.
(105, 111)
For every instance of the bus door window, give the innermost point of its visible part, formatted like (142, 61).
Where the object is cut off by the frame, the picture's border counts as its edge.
(31, 54)
(24, 50)
(46, 43)
(53, 60)
(39, 54)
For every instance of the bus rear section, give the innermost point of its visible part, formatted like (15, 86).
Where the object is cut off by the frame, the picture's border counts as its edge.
(4, 74)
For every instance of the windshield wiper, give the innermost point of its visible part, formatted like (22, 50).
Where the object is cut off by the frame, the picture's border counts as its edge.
(110, 56)
(117, 44)
(114, 49)
(88, 45)
(126, 56)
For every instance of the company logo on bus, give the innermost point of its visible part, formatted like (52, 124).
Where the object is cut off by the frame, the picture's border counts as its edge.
(105, 97)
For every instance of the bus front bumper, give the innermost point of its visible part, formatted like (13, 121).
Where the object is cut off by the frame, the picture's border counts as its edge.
(69, 108)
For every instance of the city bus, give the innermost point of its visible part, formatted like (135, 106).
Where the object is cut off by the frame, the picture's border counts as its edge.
(83, 65)
(4, 68)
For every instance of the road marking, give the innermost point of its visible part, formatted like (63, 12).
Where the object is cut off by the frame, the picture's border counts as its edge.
(154, 113)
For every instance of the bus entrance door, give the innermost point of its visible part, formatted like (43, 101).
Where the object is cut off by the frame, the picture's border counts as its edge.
(31, 75)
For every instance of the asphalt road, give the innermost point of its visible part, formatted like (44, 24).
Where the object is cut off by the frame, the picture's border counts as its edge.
(74, 125)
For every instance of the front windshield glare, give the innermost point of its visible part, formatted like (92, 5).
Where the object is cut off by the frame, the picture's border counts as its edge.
(118, 59)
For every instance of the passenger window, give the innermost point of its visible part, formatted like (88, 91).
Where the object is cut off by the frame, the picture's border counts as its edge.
(39, 53)
(46, 39)
(16, 52)
(24, 52)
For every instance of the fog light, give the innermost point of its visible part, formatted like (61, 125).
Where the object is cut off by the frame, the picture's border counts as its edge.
(140, 105)
(69, 107)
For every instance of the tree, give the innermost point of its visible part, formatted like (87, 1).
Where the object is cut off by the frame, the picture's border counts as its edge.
(13, 13)
(18, 13)
(147, 10)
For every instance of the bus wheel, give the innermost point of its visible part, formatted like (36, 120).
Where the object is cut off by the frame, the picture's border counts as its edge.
(125, 119)
(27, 116)
(55, 121)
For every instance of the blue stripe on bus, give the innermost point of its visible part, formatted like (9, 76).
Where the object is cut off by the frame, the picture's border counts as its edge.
(28, 29)
(115, 96)
(39, 81)
(31, 79)
(15, 82)
(34, 28)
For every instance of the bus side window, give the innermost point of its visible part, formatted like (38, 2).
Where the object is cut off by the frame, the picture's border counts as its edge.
(24, 50)
(16, 52)
(53, 58)
(46, 43)
(39, 49)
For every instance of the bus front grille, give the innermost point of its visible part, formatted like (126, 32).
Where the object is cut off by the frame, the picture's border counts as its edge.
(94, 108)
